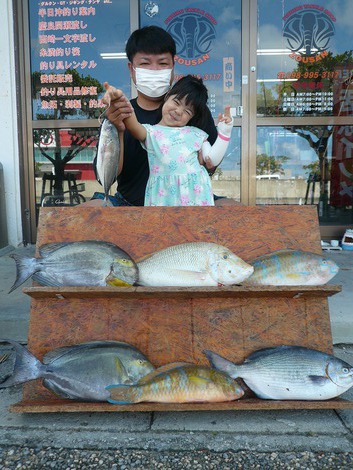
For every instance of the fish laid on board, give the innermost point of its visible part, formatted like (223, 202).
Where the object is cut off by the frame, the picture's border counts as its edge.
(291, 268)
(193, 264)
(289, 373)
(108, 156)
(82, 371)
(178, 382)
(82, 263)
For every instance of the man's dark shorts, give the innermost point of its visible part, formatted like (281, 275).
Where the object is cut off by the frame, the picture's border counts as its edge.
(116, 200)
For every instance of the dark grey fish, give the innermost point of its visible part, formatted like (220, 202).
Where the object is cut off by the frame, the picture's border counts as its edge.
(83, 263)
(108, 156)
(82, 371)
(289, 373)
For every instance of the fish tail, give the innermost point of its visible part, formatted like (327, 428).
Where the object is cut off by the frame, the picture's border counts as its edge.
(220, 363)
(124, 394)
(27, 366)
(107, 202)
(25, 267)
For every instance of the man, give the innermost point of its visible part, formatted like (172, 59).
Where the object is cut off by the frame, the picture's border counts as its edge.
(150, 51)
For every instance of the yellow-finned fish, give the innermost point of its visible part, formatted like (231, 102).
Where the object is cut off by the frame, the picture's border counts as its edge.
(291, 268)
(193, 264)
(82, 263)
(108, 156)
(178, 382)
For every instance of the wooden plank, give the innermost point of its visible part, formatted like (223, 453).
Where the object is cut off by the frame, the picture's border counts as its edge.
(181, 292)
(66, 406)
(177, 324)
(246, 230)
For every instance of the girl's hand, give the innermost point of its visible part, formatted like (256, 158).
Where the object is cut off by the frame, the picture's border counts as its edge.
(226, 117)
(119, 107)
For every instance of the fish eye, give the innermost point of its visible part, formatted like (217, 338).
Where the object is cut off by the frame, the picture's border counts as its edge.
(225, 256)
(345, 370)
(125, 262)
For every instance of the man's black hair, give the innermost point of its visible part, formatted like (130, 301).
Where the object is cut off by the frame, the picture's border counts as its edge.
(196, 95)
(151, 40)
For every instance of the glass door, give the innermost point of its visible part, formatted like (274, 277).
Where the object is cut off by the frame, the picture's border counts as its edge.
(302, 99)
(209, 42)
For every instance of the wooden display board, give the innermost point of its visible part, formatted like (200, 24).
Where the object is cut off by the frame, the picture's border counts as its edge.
(177, 324)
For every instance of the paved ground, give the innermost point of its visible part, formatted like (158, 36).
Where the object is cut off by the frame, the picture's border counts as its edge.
(251, 439)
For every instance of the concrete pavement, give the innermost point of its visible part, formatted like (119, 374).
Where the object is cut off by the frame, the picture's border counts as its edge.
(262, 431)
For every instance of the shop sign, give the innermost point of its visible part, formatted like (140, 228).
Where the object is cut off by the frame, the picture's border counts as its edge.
(308, 30)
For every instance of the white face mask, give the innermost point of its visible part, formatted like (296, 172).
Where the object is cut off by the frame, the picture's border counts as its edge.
(153, 83)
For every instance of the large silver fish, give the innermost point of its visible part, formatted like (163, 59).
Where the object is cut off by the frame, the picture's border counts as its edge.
(289, 373)
(291, 268)
(193, 264)
(178, 383)
(82, 263)
(108, 155)
(82, 371)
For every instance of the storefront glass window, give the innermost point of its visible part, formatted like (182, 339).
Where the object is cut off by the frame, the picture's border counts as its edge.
(226, 180)
(63, 166)
(307, 165)
(304, 58)
(75, 48)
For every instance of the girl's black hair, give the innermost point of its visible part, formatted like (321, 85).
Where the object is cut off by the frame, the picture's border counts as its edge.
(196, 95)
(150, 40)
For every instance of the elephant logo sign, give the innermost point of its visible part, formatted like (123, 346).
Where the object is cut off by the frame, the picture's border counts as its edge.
(308, 31)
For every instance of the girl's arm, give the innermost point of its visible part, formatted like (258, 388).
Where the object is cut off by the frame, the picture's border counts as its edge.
(135, 128)
(217, 151)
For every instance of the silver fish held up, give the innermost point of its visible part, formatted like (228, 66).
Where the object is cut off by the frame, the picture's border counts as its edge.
(291, 268)
(178, 382)
(289, 373)
(108, 156)
(82, 263)
(82, 371)
(193, 264)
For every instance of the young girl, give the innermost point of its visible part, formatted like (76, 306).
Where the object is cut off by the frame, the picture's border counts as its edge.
(175, 145)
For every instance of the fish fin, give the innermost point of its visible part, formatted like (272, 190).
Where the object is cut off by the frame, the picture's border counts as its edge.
(123, 394)
(264, 352)
(199, 381)
(46, 280)
(115, 282)
(153, 374)
(319, 380)
(49, 248)
(27, 366)
(107, 202)
(59, 352)
(25, 268)
(122, 371)
(220, 363)
(4, 357)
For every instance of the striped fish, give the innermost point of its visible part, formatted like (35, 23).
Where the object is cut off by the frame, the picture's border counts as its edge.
(291, 268)
(178, 382)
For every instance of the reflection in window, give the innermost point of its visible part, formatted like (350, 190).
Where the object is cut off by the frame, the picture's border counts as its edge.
(63, 165)
(307, 165)
(226, 180)
(303, 64)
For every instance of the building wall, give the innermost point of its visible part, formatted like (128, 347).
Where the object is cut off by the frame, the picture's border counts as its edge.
(9, 153)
